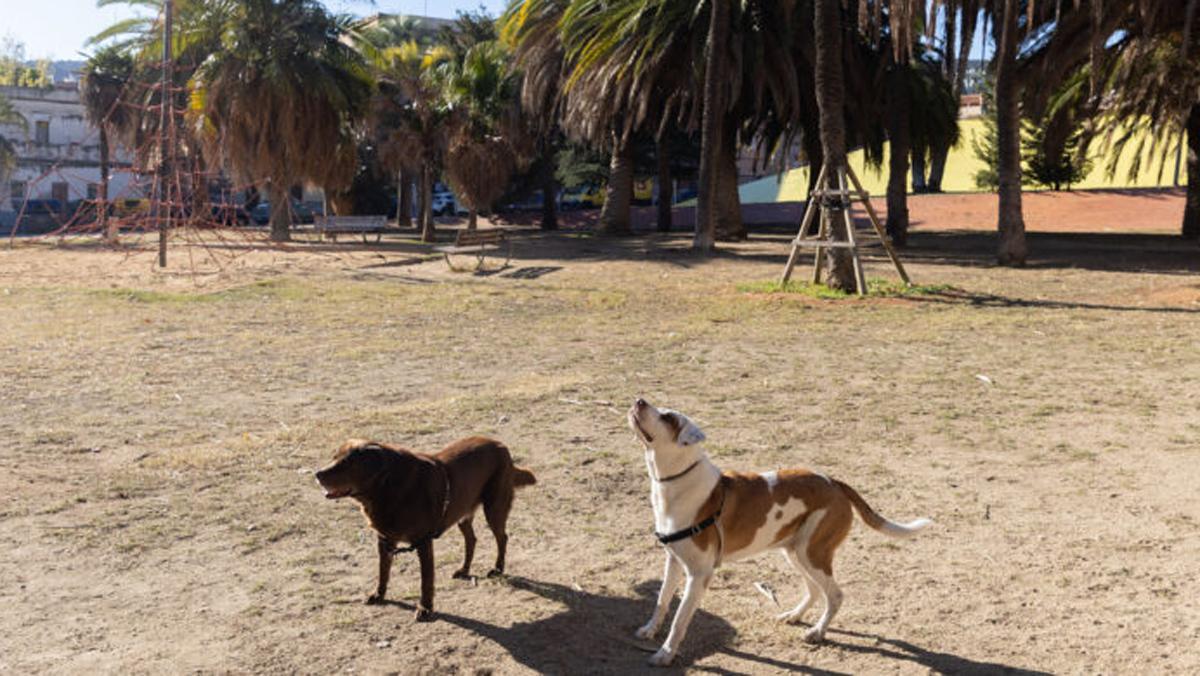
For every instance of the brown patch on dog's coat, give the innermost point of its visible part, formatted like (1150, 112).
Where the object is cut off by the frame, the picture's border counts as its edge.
(403, 495)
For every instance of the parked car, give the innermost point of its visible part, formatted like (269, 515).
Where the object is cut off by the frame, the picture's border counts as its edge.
(444, 202)
(533, 202)
(261, 214)
(230, 214)
(582, 197)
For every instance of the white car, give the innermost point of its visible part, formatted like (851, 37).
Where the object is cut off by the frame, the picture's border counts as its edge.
(444, 202)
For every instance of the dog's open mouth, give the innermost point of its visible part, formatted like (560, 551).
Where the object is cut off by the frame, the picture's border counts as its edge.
(335, 493)
(637, 427)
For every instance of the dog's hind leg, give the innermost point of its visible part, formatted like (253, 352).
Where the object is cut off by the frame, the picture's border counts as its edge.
(817, 559)
(672, 576)
(811, 591)
(497, 503)
(468, 533)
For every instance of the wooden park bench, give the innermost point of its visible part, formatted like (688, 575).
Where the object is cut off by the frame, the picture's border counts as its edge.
(329, 227)
(478, 243)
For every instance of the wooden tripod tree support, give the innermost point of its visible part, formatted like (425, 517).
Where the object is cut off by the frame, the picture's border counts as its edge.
(833, 199)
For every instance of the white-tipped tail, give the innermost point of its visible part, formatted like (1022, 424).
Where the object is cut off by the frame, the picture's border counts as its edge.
(879, 523)
(902, 530)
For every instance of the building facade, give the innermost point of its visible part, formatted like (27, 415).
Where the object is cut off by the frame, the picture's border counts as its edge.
(57, 152)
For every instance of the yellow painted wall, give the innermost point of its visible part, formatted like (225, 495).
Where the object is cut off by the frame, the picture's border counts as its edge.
(961, 166)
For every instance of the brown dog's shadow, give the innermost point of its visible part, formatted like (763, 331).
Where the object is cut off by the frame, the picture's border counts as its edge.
(594, 633)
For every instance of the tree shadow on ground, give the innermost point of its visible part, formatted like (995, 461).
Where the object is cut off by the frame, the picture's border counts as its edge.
(594, 634)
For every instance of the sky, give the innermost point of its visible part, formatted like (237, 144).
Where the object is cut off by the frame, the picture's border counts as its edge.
(58, 29)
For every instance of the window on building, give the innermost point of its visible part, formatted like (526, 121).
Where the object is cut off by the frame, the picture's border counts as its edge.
(93, 191)
(16, 190)
(58, 191)
(42, 131)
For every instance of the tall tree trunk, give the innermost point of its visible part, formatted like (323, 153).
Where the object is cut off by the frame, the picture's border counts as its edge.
(1011, 247)
(1191, 205)
(940, 150)
(472, 219)
(404, 185)
(727, 203)
(830, 101)
(549, 193)
(428, 228)
(108, 228)
(899, 101)
(618, 196)
(918, 167)
(816, 158)
(710, 128)
(281, 212)
(422, 200)
(666, 186)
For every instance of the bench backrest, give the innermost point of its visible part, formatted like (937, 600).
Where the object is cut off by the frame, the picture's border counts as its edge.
(350, 221)
(479, 237)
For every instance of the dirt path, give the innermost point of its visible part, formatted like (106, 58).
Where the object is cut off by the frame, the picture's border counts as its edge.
(158, 432)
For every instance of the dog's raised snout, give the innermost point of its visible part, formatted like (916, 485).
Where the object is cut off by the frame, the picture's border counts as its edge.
(640, 403)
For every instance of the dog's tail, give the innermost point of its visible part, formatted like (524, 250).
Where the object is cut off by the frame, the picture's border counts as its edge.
(523, 477)
(874, 520)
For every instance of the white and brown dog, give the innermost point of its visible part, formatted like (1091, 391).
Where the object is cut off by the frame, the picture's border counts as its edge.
(704, 517)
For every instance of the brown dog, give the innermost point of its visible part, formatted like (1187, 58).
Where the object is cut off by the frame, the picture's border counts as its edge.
(413, 498)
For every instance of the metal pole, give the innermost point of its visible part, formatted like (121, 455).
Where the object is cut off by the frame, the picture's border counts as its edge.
(164, 138)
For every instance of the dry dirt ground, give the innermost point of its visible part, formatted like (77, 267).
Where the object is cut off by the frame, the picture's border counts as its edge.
(158, 431)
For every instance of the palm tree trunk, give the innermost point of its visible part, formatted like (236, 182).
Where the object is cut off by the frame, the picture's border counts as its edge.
(666, 186)
(710, 129)
(1011, 249)
(472, 219)
(898, 135)
(549, 194)
(727, 205)
(428, 232)
(941, 150)
(281, 217)
(816, 159)
(1191, 205)
(108, 228)
(403, 199)
(830, 102)
(918, 168)
(618, 196)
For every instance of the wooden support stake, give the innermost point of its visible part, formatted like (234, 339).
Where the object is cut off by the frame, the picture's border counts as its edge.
(860, 278)
(883, 236)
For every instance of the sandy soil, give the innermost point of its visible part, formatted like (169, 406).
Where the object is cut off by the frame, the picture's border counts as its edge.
(158, 431)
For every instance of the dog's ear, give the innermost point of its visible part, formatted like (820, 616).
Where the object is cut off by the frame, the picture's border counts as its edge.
(689, 433)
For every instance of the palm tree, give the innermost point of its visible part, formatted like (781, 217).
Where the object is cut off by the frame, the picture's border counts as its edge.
(374, 40)
(105, 76)
(281, 101)
(1011, 246)
(827, 25)
(411, 99)
(486, 144)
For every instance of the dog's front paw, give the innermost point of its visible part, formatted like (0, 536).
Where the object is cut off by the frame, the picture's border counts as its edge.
(462, 574)
(662, 658)
(814, 635)
(496, 572)
(424, 615)
(646, 631)
(374, 599)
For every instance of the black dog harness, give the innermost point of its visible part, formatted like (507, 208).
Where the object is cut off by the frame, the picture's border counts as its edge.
(697, 529)
(437, 533)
